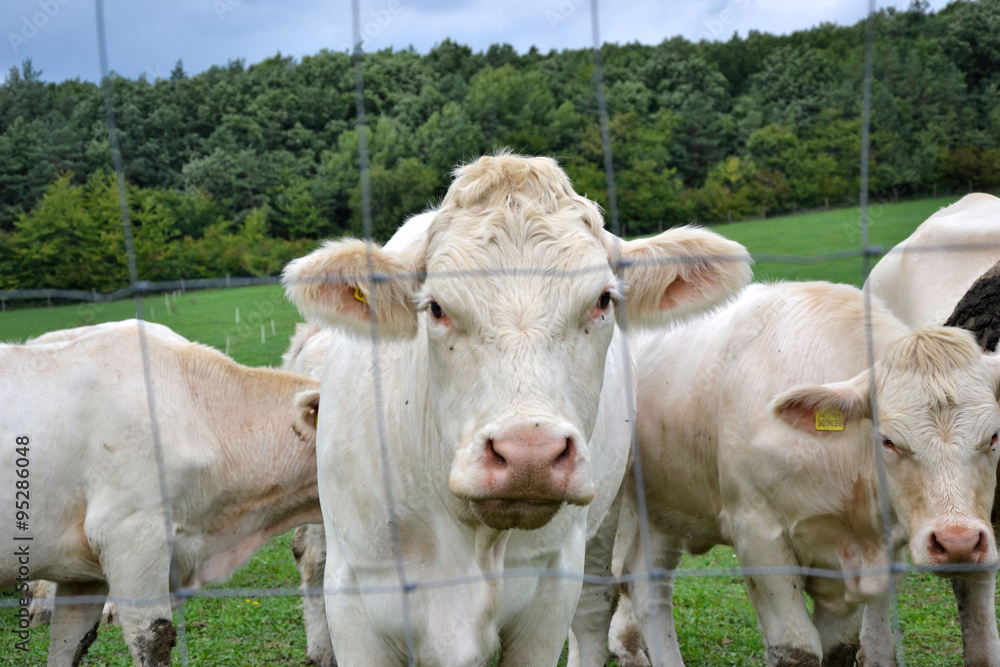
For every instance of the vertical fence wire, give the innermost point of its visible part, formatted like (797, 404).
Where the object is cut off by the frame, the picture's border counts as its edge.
(133, 272)
(653, 642)
(373, 280)
(883, 484)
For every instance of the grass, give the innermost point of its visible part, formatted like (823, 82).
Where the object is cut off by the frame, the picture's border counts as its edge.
(716, 624)
(812, 235)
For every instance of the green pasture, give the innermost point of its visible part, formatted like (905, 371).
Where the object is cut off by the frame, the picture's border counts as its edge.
(715, 622)
(815, 234)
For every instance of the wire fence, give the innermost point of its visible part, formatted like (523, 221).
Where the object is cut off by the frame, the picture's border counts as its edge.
(405, 586)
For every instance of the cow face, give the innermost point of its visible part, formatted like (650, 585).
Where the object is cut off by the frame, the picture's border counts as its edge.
(515, 291)
(938, 421)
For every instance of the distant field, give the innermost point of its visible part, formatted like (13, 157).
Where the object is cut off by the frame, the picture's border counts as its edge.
(208, 317)
(811, 235)
(715, 622)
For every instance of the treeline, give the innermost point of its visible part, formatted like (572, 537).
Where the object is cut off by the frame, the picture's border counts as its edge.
(241, 167)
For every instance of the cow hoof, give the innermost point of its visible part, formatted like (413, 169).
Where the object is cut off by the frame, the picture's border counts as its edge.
(156, 643)
(842, 655)
(790, 656)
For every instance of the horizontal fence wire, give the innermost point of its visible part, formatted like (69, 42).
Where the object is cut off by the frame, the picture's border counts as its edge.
(137, 288)
(140, 287)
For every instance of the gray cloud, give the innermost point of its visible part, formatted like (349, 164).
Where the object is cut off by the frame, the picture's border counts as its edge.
(59, 36)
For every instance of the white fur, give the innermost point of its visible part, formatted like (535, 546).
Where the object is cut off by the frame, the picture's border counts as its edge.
(718, 468)
(228, 441)
(517, 262)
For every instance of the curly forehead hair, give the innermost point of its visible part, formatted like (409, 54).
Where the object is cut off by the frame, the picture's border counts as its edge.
(933, 354)
(505, 186)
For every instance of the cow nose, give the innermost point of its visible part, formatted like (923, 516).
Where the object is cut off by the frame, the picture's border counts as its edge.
(531, 463)
(957, 544)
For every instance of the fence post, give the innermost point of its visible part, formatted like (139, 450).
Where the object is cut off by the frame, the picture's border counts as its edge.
(3, 304)
(48, 297)
(227, 281)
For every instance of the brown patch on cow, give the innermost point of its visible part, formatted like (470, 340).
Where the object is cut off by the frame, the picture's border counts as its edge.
(842, 655)
(631, 639)
(979, 310)
(84, 645)
(790, 656)
(154, 645)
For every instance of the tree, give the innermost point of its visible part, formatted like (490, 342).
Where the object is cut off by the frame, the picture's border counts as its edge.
(65, 243)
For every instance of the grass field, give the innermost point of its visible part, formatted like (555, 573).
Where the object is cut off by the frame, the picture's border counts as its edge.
(715, 622)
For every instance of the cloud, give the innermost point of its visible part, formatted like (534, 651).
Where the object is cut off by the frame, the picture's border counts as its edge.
(59, 36)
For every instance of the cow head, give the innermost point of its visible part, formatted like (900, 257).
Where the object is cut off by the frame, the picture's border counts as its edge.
(515, 289)
(938, 420)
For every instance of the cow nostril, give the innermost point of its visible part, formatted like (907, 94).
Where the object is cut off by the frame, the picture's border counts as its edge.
(566, 455)
(980, 547)
(935, 547)
(494, 456)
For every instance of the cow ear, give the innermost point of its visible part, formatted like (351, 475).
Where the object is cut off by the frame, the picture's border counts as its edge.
(307, 411)
(678, 273)
(824, 409)
(344, 282)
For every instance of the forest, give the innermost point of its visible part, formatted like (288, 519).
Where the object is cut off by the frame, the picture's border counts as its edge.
(242, 167)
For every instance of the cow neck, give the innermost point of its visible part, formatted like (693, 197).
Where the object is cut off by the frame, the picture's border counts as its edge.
(266, 471)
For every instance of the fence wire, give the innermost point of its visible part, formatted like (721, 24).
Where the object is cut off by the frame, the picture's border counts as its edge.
(405, 587)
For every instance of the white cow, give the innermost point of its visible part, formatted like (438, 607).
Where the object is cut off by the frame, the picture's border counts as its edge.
(946, 272)
(755, 430)
(489, 429)
(238, 457)
(305, 355)
(923, 278)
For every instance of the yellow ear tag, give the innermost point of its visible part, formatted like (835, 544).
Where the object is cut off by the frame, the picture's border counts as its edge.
(358, 295)
(829, 420)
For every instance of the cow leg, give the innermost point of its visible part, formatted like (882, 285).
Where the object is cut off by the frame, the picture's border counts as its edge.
(977, 617)
(839, 636)
(655, 625)
(789, 633)
(625, 637)
(134, 558)
(74, 624)
(309, 549)
(537, 636)
(877, 646)
(592, 619)
(41, 593)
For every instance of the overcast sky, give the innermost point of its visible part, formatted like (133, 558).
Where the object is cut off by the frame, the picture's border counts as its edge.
(60, 36)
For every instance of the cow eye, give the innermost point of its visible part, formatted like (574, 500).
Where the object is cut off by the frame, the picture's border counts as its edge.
(436, 310)
(993, 442)
(604, 301)
(889, 444)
